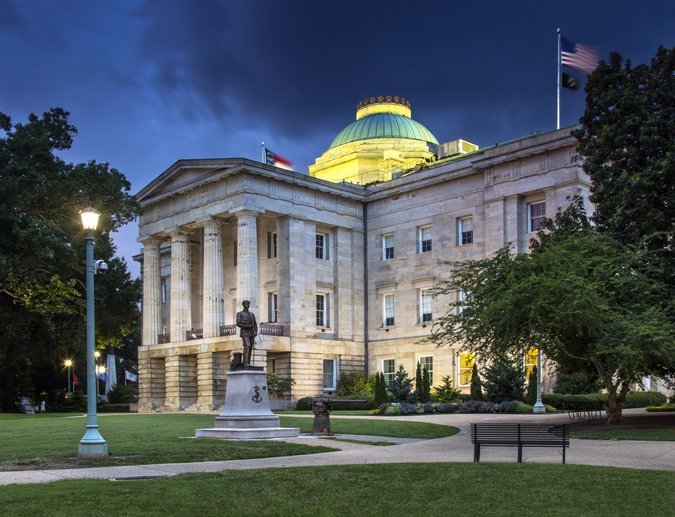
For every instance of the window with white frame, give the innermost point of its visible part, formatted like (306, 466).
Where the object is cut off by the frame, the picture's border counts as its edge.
(271, 244)
(536, 214)
(388, 310)
(329, 374)
(427, 362)
(424, 239)
(163, 290)
(465, 368)
(389, 370)
(322, 246)
(424, 306)
(388, 246)
(322, 308)
(461, 302)
(272, 308)
(235, 249)
(464, 231)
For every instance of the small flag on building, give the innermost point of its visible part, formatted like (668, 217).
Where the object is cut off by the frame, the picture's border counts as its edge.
(578, 56)
(570, 82)
(276, 160)
(102, 376)
(76, 381)
(133, 377)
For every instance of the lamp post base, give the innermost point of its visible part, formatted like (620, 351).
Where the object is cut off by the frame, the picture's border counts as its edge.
(92, 443)
(538, 408)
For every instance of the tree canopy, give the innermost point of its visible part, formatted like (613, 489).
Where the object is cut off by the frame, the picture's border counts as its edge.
(580, 295)
(627, 139)
(42, 253)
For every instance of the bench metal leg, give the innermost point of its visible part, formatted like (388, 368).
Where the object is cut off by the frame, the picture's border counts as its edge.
(564, 454)
(520, 453)
(476, 453)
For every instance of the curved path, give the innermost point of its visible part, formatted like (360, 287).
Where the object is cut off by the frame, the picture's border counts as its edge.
(625, 453)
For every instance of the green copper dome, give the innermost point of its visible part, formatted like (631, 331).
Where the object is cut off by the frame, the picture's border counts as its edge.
(383, 125)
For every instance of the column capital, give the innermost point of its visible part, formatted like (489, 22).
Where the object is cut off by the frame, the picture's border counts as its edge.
(210, 221)
(246, 212)
(151, 239)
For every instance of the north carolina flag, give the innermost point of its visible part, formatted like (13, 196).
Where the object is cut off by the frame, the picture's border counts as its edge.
(130, 376)
(578, 56)
(76, 381)
(276, 160)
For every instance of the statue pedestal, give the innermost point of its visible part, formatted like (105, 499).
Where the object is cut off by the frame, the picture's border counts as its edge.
(247, 414)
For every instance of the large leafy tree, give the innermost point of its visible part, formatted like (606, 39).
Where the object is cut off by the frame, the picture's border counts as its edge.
(627, 137)
(579, 296)
(42, 254)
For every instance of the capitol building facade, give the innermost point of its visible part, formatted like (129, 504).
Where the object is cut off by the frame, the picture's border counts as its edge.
(339, 265)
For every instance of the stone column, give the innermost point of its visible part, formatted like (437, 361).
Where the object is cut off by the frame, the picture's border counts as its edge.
(213, 309)
(180, 313)
(344, 269)
(296, 291)
(152, 292)
(247, 259)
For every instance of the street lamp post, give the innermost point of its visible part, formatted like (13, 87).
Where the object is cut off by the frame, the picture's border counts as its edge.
(539, 406)
(92, 443)
(69, 364)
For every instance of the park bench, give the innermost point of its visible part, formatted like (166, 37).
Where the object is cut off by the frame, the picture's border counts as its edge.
(518, 435)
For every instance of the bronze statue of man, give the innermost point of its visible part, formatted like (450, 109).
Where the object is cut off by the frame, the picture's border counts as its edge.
(248, 330)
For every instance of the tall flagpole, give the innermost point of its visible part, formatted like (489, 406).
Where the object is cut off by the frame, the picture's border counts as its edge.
(557, 117)
(264, 158)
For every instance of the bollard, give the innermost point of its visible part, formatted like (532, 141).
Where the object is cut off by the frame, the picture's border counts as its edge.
(321, 408)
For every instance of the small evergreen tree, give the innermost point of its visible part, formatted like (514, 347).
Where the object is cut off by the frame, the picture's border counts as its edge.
(401, 386)
(476, 384)
(381, 396)
(419, 382)
(446, 393)
(504, 380)
(425, 393)
(532, 380)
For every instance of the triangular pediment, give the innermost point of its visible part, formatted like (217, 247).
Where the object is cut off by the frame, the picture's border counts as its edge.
(185, 175)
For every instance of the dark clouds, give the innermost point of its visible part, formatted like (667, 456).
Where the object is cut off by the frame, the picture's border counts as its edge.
(148, 82)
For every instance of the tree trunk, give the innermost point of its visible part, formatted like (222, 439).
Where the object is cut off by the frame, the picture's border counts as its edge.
(613, 408)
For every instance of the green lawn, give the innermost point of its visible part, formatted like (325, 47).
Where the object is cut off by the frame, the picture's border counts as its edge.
(45, 441)
(437, 489)
(646, 433)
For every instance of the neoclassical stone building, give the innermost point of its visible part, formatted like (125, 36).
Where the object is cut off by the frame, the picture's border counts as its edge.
(338, 270)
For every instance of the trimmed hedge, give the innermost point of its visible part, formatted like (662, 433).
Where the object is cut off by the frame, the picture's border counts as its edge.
(596, 401)
(114, 408)
(345, 404)
(666, 408)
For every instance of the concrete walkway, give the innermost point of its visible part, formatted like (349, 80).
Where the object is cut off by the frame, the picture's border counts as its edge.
(628, 454)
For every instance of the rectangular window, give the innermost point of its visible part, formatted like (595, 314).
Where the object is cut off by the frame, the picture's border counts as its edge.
(424, 239)
(388, 369)
(424, 303)
(322, 311)
(322, 246)
(329, 374)
(163, 291)
(236, 251)
(536, 214)
(388, 310)
(465, 369)
(388, 246)
(271, 244)
(461, 302)
(428, 363)
(272, 309)
(531, 360)
(464, 231)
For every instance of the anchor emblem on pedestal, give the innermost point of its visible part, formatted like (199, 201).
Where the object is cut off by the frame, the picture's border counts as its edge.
(257, 398)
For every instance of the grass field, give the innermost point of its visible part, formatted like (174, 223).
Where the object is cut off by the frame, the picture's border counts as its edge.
(49, 441)
(652, 434)
(436, 489)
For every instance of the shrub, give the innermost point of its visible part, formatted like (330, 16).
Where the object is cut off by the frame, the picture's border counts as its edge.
(590, 402)
(504, 380)
(113, 408)
(380, 395)
(661, 409)
(636, 399)
(476, 384)
(445, 392)
(533, 380)
(279, 386)
(523, 408)
(401, 386)
(392, 410)
(506, 406)
(304, 404)
(121, 394)
(354, 384)
(575, 383)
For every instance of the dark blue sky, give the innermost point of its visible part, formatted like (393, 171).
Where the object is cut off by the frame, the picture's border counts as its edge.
(148, 82)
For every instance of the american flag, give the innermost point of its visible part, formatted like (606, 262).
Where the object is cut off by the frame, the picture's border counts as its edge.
(276, 160)
(578, 56)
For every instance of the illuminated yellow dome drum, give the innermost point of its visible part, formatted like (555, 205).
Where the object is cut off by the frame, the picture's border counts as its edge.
(384, 140)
